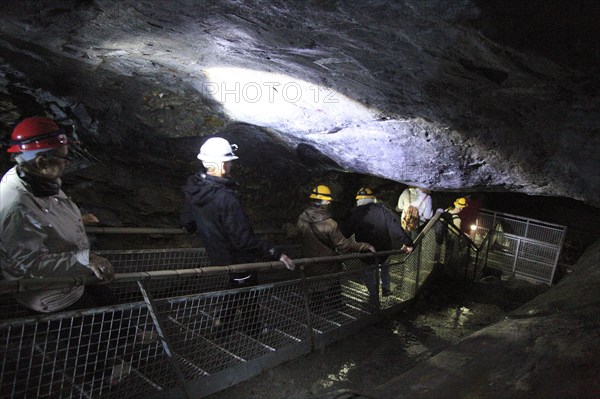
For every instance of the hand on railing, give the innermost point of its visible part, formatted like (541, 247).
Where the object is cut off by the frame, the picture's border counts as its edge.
(371, 248)
(101, 267)
(287, 261)
(406, 249)
(89, 219)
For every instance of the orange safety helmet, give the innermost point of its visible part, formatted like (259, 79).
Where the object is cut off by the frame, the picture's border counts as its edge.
(36, 133)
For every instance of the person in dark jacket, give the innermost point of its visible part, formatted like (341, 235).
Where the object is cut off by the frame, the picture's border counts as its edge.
(212, 209)
(449, 216)
(321, 236)
(376, 224)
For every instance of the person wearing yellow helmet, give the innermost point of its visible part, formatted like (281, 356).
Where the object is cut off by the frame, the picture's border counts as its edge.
(364, 196)
(449, 216)
(321, 192)
(376, 224)
(321, 236)
(458, 205)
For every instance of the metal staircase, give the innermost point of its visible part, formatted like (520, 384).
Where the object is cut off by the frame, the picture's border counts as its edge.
(177, 331)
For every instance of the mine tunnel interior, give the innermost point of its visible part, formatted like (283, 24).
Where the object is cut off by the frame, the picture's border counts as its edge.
(490, 101)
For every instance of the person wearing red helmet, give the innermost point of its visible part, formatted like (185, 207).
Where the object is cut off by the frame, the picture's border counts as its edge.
(41, 229)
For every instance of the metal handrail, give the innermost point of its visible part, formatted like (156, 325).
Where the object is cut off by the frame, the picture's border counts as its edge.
(157, 230)
(21, 285)
(458, 231)
(526, 239)
(522, 218)
(30, 284)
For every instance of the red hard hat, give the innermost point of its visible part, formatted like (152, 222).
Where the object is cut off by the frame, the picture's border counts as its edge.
(36, 133)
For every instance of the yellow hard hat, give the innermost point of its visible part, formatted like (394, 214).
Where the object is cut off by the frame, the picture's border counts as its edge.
(321, 192)
(364, 192)
(460, 202)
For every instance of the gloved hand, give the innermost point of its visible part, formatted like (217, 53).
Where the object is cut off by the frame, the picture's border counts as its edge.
(101, 267)
(369, 248)
(287, 261)
(89, 219)
(406, 249)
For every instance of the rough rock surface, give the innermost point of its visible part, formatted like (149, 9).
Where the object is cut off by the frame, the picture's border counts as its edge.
(547, 348)
(413, 92)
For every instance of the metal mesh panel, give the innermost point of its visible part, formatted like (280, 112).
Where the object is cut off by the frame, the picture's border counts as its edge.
(536, 261)
(457, 255)
(501, 261)
(520, 226)
(114, 351)
(186, 258)
(10, 308)
(546, 234)
(177, 286)
(337, 300)
(146, 260)
(427, 255)
(538, 253)
(522, 247)
(403, 278)
(74, 355)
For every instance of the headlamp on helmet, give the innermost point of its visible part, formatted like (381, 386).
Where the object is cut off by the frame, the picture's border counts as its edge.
(364, 193)
(36, 133)
(217, 149)
(321, 192)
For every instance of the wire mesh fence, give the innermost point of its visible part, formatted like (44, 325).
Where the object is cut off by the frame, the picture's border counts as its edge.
(535, 230)
(520, 247)
(80, 354)
(180, 336)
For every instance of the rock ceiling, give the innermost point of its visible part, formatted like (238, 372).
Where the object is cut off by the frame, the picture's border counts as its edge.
(414, 92)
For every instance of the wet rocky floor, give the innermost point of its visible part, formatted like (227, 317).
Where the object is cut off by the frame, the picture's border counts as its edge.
(442, 314)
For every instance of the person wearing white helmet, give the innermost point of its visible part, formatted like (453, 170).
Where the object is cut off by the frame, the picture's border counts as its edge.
(213, 211)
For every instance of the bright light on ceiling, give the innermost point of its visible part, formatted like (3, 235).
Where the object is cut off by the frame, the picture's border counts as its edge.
(281, 102)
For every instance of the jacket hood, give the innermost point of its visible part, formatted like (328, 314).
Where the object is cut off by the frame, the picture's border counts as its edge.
(314, 215)
(202, 188)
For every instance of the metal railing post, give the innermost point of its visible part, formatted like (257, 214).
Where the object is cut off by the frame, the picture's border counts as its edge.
(468, 248)
(514, 268)
(168, 348)
(418, 266)
(476, 264)
(491, 234)
(311, 331)
(377, 285)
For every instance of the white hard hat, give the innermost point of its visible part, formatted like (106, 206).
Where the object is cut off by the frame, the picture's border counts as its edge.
(217, 149)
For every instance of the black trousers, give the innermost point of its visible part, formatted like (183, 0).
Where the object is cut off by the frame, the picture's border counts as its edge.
(245, 303)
